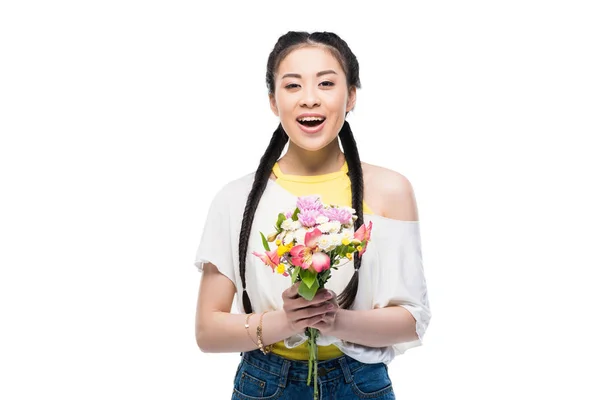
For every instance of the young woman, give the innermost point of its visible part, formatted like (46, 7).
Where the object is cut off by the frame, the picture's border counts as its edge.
(368, 313)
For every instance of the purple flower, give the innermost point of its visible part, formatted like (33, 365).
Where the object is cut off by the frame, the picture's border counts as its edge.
(308, 218)
(305, 203)
(338, 214)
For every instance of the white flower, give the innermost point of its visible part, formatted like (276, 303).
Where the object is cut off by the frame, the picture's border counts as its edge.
(324, 227)
(299, 235)
(287, 224)
(296, 225)
(289, 237)
(321, 219)
(325, 243)
(347, 234)
(330, 227)
(335, 239)
(335, 226)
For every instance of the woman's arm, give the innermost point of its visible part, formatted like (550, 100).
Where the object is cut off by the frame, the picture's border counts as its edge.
(219, 331)
(375, 328)
(389, 325)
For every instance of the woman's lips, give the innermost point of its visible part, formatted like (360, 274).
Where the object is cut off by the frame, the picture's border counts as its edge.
(313, 129)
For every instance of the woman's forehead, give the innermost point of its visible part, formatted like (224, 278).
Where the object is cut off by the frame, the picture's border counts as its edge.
(309, 61)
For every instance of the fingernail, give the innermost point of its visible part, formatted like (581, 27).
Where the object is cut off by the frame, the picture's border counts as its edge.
(328, 295)
(330, 307)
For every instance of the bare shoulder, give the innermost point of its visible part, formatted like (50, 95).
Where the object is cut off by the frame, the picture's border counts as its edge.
(389, 193)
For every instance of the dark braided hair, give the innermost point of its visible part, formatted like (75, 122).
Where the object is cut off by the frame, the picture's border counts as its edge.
(340, 50)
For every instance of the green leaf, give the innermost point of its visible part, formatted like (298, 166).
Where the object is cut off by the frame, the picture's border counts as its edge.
(307, 292)
(264, 242)
(280, 219)
(295, 274)
(295, 214)
(308, 277)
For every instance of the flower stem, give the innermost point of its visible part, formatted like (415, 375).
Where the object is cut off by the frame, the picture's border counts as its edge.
(313, 353)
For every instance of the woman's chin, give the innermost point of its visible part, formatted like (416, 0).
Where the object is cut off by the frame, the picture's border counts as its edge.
(311, 145)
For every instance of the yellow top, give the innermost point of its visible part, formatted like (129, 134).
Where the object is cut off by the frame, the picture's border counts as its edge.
(333, 188)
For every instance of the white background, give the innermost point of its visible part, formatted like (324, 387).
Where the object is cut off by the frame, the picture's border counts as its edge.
(120, 120)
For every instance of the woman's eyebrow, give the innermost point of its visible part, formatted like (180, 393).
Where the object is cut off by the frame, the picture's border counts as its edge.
(321, 73)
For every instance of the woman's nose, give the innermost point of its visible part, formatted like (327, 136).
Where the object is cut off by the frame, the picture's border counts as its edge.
(310, 98)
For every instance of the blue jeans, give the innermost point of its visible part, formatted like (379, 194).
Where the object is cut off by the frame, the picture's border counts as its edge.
(267, 377)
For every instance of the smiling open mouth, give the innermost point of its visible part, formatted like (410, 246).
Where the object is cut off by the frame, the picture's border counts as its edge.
(311, 122)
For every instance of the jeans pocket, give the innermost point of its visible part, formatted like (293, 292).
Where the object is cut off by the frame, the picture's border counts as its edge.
(236, 377)
(252, 383)
(371, 381)
(251, 386)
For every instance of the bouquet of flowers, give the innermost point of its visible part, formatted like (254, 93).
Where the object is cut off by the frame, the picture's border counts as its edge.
(311, 241)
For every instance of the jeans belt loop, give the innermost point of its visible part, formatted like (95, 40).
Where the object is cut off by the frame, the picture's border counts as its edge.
(285, 368)
(345, 369)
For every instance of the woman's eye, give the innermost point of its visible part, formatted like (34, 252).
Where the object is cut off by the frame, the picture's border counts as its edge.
(327, 83)
(291, 86)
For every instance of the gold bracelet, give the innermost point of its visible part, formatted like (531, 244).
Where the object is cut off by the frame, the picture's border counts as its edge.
(264, 349)
(247, 325)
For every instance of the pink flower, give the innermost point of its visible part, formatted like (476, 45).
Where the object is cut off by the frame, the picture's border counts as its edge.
(308, 218)
(320, 261)
(270, 258)
(288, 214)
(364, 235)
(312, 238)
(301, 256)
(306, 256)
(338, 214)
(305, 203)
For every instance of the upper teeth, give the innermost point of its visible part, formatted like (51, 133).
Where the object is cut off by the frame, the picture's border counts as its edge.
(312, 119)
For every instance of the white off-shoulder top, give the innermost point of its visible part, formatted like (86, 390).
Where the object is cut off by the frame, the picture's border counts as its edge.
(391, 272)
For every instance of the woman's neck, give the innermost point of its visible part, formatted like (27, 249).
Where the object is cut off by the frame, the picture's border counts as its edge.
(298, 161)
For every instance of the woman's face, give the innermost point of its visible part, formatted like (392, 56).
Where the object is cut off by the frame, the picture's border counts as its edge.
(311, 97)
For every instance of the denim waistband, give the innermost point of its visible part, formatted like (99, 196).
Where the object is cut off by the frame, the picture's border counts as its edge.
(296, 370)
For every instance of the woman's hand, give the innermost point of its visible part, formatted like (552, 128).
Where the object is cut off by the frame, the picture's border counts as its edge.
(302, 313)
(326, 325)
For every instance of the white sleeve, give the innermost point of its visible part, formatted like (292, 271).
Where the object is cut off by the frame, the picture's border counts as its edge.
(215, 244)
(401, 278)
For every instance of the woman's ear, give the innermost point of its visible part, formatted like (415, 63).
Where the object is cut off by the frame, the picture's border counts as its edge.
(351, 99)
(273, 105)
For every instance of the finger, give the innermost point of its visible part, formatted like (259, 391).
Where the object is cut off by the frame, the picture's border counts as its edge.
(298, 303)
(334, 303)
(292, 291)
(321, 297)
(309, 312)
(325, 322)
(318, 325)
(304, 323)
(306, 307)
(323, 290)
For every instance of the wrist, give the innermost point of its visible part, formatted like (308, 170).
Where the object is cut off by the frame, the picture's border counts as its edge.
(286, 329)
(341, 317)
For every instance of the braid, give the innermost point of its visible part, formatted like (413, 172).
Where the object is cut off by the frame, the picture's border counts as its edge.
(340, 50)
(261, 178)
(346, 298)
